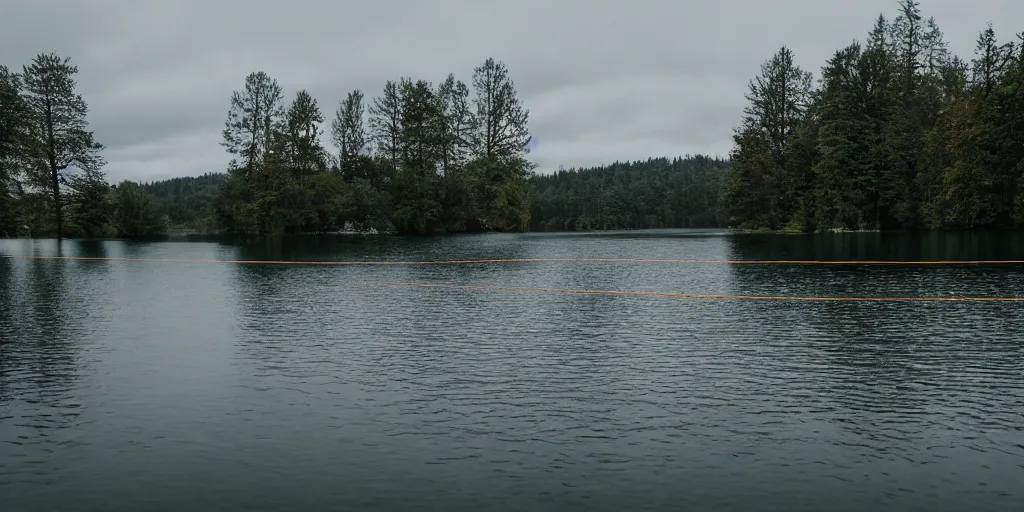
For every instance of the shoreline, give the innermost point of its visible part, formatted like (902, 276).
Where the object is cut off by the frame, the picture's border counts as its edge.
(375, 233)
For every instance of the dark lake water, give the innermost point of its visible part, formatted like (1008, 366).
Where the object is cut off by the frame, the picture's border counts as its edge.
(175, 385)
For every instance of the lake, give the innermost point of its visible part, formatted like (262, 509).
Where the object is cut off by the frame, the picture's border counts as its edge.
(163, 380)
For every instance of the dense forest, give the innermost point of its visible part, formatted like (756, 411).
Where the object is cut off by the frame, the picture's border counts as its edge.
(430, 159)
(898, 134)
(419, 158)
(189, 203)
(656, 193)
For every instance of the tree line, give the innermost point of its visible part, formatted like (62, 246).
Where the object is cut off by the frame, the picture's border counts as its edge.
(644, 194)
(898, 134)
(419, 158)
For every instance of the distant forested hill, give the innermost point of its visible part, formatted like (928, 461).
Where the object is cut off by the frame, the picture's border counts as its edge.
(189, 202)
(655, 193)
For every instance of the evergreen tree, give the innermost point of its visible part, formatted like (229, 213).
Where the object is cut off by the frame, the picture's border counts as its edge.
(876, 70)
(386, 123)
(59, 136)
(255, 118)
(498, 168)
(89, 204)
(654, 193)
(135, 213)
(418, 183)
(421, 128)
(991, 62)
(304, 153)
(349, 135)
(841, 173)
(458, 123)
(13, 133)
(918, 53)
(501, 119)
(761, 184)
(900, 134)
(998, 92)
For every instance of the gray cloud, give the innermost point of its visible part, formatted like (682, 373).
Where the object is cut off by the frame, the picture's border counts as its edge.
(604, 80)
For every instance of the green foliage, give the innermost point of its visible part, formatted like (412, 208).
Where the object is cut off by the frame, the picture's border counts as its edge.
(13, 138)
(135, 213)
(760, 191)
(435, 165)
(656, 193)
(500, 127)
(255, 118)
(89, 208)
(300, 148)
(58, 135)
(349, 135)
(844, 143)
(43, 128)
(189, 202)
(898, 135)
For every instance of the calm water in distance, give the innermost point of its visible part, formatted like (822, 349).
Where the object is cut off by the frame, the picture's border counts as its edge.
(215, 386)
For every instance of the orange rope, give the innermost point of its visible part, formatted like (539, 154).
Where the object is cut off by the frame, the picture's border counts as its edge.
(525, 260)
(700, 295)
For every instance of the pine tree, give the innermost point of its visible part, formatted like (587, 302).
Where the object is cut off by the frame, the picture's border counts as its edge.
(255, 118)
(13, 127)
(1003, 116)
(501, 118)
(13, 133)
(498, 169)
(954, 147)
(422, 128)
(135, 213)
(906, 38)
(386, 123)
(418, 183)
(844, 138)
(876, 70)
(991, 62)
(778, 99)
(305, 154)
(458, 123)
(59, 134)
(974, 189)
(905, 130)
(349, 135)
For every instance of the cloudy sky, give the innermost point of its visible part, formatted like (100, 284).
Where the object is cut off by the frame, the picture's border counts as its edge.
(604, 80)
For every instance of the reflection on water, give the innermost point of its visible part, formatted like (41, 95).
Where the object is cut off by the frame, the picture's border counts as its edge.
(39, 366)
(937, 246)
(164, 386)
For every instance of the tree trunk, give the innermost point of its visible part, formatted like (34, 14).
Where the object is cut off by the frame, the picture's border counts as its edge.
(54, 171)
(56, 202)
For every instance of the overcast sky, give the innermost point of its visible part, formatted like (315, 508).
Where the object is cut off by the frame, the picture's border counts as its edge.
(603, 80)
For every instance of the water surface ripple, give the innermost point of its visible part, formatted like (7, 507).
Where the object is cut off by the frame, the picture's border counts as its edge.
(160, 386)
